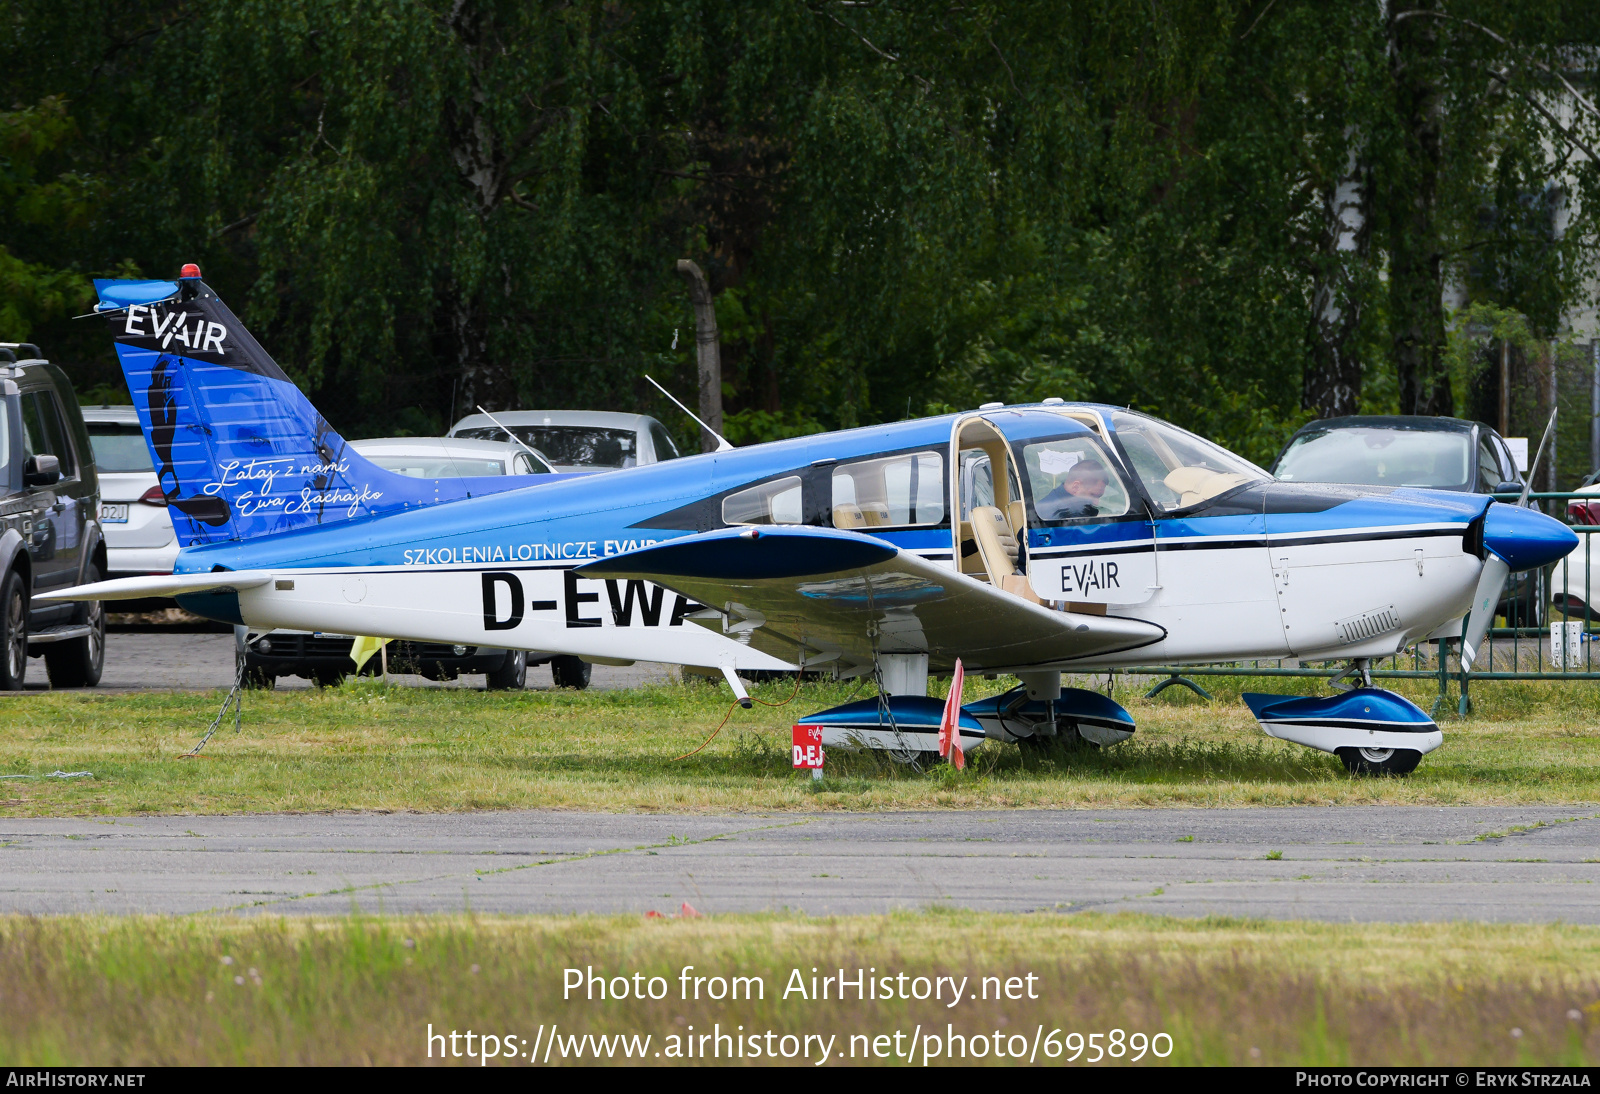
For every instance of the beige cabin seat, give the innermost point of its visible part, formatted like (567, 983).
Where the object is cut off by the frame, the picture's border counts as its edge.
(998, 548)
(876, 514)
(1194, 485)
(870, 515)
(1017, 518)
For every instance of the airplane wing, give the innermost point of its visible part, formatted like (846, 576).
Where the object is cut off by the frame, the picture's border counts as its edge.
(825, 595)
(136, 588)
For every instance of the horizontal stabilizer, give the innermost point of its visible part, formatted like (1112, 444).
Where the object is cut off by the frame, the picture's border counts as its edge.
(829, 596)
(136, 588)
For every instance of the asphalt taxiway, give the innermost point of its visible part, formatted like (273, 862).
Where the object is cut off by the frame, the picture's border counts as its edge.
(1364, 863)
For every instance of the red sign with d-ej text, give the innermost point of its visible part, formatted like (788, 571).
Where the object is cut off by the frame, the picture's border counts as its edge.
(808, 746)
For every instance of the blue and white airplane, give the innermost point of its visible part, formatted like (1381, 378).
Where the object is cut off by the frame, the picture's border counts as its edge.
(1021, 539)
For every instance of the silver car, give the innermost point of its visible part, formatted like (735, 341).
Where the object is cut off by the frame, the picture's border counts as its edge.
(578, 440)
(133, 511)
(450, 457)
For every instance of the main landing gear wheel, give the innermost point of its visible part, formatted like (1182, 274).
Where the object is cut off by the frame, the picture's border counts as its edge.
(570, 672)
(1065, 739)
(1380, 761)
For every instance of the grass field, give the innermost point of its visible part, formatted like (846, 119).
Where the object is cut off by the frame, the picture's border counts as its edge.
(370, 747)
(167, 991)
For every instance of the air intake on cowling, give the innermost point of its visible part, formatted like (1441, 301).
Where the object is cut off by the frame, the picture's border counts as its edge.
(1367, 625)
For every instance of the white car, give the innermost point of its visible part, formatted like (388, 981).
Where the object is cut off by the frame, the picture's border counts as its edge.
(133, 511)
(578, 440)
(449, 457)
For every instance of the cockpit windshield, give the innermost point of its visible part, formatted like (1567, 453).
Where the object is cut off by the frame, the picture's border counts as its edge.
(1177, 468)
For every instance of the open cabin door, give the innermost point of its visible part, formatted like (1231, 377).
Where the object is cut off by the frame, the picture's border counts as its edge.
(1083, 540)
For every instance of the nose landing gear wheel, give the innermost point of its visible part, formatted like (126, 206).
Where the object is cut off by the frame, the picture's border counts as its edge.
(1380, 761)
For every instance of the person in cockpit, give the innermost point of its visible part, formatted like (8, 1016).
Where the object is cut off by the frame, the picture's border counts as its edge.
(1078, 493)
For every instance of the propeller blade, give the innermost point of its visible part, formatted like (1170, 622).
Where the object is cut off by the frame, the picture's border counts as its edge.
(1491, 584)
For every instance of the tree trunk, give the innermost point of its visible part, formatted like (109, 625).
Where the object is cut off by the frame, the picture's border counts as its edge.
(482, 162)
(1416, 285)
(1332, 381)
(477, 381)
(708, 353)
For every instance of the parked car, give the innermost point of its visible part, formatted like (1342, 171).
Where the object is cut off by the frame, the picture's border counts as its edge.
(1578, 577)
(133, 510)
(325, 658)
(1401, 450)
(50, 534)
(451, 457)
(1414, 450)
(578, 440)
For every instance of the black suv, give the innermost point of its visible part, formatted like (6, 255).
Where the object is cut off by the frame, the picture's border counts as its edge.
(1401, 450)
(1415, 450)
(49, 525)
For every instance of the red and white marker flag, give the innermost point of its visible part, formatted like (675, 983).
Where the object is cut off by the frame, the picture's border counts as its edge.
(950, 723)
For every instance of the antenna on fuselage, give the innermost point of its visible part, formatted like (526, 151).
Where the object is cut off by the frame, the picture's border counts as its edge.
(722, 442)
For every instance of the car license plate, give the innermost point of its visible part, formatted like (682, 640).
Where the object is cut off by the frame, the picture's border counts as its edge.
(114, 514)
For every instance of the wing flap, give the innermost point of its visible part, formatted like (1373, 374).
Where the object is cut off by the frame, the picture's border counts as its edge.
(826, 595)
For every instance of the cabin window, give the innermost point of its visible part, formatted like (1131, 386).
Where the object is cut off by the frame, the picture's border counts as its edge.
(775, 502)
(893, 492)
(1072, 478)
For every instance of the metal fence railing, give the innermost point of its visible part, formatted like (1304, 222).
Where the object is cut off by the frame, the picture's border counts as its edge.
(1550, 629)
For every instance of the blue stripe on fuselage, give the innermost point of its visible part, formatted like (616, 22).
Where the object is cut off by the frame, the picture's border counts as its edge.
(582, 518)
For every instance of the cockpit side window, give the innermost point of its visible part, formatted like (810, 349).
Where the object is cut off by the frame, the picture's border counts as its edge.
(775, 502)
(1072, 478)
(1178, 469)
(900, 491)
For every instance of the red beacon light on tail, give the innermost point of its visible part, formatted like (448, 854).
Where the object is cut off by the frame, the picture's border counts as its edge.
(189, 270)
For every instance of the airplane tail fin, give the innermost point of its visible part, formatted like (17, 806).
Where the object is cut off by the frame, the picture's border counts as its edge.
(239, 451)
